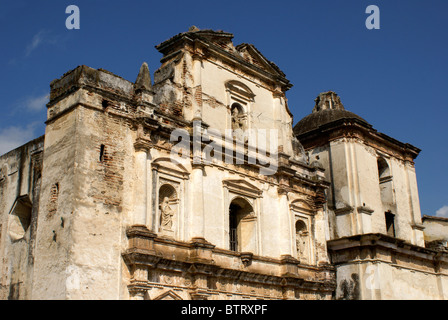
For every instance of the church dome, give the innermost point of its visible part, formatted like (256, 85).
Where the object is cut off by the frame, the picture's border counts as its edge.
(328, 108)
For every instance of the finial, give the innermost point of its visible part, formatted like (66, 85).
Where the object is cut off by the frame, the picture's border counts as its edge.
(328, 100)
(143, 81)
(193, 29)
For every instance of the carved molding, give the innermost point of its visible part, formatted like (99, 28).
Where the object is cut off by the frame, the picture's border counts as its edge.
(343, 210)
(170, 167)
(364, 209)
(302, 205)
(242, 187)
(142, 144)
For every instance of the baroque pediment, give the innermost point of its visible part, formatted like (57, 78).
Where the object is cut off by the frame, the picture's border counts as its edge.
(240, 186)
(222, 40)
(171, 167)
(251, 54)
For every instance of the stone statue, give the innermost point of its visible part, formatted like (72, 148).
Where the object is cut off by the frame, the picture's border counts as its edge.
(166, 221)
(300, 242)
(299, 153)
(238, 124)
(301, 245)
(236, 120)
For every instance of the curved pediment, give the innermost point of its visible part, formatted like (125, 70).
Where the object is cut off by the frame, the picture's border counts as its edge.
(170, 166)
(302, 205)
(240, 88)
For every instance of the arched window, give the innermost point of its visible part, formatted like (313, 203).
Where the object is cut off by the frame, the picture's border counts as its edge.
(387, 195)
(241, 226)
(383, 169)
(240, 98)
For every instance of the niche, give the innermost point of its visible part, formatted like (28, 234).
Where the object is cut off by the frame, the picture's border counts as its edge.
(20, 218)
(168, 203)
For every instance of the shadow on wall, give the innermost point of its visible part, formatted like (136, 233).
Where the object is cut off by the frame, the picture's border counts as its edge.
(350, 289)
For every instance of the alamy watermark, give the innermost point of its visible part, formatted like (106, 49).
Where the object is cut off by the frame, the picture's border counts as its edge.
(73, 21)
(373, 20)
(253, 146)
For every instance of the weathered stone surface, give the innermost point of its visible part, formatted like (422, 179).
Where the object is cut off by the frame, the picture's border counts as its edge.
(143, 81)
(105, 207)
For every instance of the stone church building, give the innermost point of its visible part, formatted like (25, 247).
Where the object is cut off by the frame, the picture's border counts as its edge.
(195, 183)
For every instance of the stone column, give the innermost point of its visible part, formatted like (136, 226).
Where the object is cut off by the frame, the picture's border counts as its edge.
(197, 185)
(197, 219)
(414, 205)
(285, 241)
(141, 184)
(197, 83)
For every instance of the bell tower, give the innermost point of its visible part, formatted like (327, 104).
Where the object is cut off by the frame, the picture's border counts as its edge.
(373, 181)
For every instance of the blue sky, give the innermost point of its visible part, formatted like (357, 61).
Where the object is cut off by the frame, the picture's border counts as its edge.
(394, 77)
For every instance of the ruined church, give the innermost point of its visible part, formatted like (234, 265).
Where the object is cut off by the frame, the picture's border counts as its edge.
(194, 183)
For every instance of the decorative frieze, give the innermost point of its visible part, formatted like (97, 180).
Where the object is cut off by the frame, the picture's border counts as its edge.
(199, 275)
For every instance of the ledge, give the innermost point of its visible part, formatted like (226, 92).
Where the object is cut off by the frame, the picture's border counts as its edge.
(394, 247)
(200, 258)
(364, 209)
(344, 210)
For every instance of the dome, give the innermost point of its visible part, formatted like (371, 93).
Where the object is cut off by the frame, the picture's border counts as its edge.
(328, 109)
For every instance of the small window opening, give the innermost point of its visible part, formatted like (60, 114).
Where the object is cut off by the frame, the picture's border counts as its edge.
(105, 104)
(383, 169)
(390, 223)
(102, 153)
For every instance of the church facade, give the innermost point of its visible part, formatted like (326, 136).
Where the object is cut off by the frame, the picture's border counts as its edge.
(196, 185)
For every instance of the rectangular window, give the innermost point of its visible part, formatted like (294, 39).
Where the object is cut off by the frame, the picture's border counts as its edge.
(390, 224)
(233, 233)
(102, 147)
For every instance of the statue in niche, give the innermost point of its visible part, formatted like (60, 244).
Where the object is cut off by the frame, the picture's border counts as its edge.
(166, 221)
(238, 122)
(300, 245)
(301, 241)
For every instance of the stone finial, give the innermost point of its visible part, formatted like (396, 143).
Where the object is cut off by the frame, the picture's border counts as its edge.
(193, 29)
(328, 100)
(143, 81)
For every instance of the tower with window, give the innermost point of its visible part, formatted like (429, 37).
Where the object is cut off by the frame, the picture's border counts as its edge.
(372, 202)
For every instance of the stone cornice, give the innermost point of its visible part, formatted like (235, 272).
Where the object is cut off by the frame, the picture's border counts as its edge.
(356, 129)
(386, 249)
(201, 48)
(146, 249)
